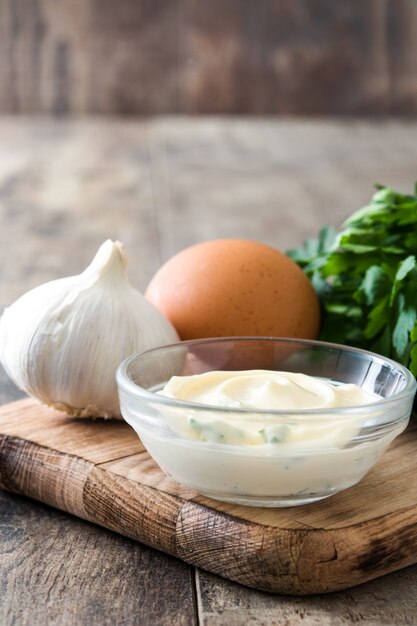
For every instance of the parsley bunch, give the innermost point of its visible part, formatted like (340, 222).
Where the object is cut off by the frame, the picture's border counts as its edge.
(366, 277)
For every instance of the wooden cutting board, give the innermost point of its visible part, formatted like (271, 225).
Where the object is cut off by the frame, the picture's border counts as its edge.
(100, 471)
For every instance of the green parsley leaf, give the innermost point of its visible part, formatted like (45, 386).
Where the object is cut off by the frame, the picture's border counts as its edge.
(401, 335)
(366, 276)
(375, 284)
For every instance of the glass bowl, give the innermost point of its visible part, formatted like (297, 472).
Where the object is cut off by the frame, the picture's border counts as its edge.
(342, 446)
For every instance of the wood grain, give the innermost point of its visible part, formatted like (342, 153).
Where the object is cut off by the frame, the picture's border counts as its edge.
(56, 570)
(184, 56)
(388, 601)
(347, 540)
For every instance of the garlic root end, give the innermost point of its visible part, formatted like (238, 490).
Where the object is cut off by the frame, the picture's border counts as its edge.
(87, 412)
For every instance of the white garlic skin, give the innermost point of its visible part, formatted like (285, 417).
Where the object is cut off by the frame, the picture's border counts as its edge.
(63, 341)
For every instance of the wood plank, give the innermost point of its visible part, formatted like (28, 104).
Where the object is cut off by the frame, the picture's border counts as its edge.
(38, 221)
(268, 57)
(112, 440)
(141, 468)
(351, 538)
(387, 601)
(56, 569)
(272, 181)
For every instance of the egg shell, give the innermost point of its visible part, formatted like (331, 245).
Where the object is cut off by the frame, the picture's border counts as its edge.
(235, 287)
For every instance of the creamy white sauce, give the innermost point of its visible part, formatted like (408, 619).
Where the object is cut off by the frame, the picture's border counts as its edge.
(250, 454)
(264, 390)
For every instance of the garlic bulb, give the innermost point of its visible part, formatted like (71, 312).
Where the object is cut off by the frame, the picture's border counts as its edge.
(63, 341)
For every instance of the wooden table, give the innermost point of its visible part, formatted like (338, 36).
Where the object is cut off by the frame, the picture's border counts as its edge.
(160, 186)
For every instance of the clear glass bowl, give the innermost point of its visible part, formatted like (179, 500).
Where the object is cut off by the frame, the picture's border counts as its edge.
(343, 443)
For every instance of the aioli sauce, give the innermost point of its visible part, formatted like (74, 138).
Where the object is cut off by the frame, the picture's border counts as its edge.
(265, 390)
(272, 460)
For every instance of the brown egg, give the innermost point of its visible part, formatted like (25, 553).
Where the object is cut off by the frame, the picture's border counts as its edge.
(235, 287)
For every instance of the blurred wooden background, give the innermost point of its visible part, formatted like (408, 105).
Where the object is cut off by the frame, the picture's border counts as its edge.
(141, 57)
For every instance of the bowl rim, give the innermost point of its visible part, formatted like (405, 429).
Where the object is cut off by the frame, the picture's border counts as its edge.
(125, 383)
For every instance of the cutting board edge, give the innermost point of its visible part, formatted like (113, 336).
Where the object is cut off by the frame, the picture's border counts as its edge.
(278, 560)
